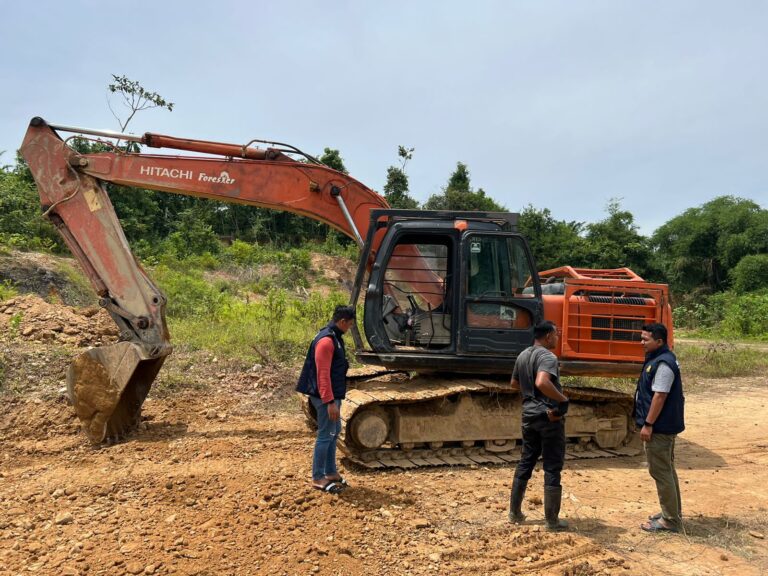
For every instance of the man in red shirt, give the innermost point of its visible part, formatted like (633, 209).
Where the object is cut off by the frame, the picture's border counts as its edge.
(324, 379)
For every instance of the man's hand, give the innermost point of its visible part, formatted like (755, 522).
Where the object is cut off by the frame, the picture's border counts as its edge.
(645, 433)
(553, 416)
(333, 411)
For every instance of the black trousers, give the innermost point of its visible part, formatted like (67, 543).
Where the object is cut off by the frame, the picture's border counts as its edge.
(546, 439)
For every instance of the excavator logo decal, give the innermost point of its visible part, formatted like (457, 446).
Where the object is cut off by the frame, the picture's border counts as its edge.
(177, 174)
(222, 178)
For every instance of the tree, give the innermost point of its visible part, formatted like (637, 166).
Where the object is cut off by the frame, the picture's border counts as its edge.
(698, 248)
(331, 157)
(21, 222)
(554, 243)
(135, 97)
(458, 195)
(615, 242)
(396, 187)
(750, 274)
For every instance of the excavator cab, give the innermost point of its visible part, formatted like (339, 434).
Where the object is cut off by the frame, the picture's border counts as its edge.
(453, 292)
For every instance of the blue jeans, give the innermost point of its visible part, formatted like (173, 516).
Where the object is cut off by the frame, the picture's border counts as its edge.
(324, 459)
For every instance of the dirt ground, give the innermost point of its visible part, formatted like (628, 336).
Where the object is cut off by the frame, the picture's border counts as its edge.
(216, 482)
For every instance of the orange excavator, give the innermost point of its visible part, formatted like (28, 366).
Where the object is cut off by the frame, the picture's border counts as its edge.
(449, 300)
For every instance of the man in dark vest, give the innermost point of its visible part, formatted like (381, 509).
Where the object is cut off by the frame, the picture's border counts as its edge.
(324, 379)
(537, 376)
(659, 413)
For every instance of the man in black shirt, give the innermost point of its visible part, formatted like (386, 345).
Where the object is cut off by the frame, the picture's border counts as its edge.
(537, 376)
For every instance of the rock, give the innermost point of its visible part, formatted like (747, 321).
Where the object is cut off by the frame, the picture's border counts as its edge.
(170, 519)
(421, 523)
(758, 535)
(134, 568)
(58, 493)
(435, 557)
(64, 518)
(150, 569)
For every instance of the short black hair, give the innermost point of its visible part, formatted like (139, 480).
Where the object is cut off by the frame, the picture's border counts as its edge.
(657, 330)
(543, 328)
(343, 313)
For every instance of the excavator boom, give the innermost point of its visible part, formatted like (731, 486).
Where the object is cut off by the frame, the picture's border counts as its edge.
(108, 385)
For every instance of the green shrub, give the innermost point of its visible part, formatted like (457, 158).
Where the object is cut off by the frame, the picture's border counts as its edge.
(295, 267)
(750, 274)
(746, 316)
(189, 293)
(726, 314)
(7, 290)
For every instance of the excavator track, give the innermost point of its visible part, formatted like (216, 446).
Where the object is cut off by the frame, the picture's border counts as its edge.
(401, 422)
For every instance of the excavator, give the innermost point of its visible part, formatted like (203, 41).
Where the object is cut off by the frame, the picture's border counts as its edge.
(449, 300)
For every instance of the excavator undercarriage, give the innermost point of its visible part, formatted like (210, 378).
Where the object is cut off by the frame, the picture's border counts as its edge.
(404, 421)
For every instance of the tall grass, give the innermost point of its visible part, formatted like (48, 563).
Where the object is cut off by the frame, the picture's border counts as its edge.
(224, 318)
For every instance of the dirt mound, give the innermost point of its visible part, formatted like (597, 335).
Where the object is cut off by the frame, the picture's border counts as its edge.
(46, 275)
(31, 318)
(335, 270)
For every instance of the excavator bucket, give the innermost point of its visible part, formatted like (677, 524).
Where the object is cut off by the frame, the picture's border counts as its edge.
(107, 387)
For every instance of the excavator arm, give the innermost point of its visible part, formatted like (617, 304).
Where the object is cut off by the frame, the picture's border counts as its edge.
(108, 385)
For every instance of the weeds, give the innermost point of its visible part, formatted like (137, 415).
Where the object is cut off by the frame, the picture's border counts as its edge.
(7, 290)
(720, 360)
(14, 325)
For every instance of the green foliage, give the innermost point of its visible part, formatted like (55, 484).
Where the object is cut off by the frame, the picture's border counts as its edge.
(338, 244)
(15, 324)
(458, 195)
(294, 268)
(554, 243)
(332, 158)
(614, 242)
(7, 290)
(698, 248)
(21, 223)
(728, 314)
(193, 236)
(396, 187)
(189, 293)
(135, 97)
(77, 291)
(751, 273)
(746, 316)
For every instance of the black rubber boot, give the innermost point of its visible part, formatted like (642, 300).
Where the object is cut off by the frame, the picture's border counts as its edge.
(516, 496)
(552, 498)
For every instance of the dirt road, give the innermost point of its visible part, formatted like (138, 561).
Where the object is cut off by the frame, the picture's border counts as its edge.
(216, 482)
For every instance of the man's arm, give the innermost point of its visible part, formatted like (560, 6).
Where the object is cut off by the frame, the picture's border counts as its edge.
(661, 385)
(657, 403)
(323, 360)
(546, 387)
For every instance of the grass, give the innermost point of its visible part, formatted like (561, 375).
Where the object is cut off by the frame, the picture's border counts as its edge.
(697, 361)
(721, 360)
(77, 290)
(7, 290)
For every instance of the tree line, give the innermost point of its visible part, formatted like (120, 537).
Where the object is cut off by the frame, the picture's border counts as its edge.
(718, 246)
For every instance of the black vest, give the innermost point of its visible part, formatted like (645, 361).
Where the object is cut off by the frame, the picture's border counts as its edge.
(307, 383)
(671, 419)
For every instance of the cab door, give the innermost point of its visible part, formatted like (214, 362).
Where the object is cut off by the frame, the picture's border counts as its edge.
(500, 294)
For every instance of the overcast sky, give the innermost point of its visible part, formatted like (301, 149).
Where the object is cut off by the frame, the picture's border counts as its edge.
(561, 104)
